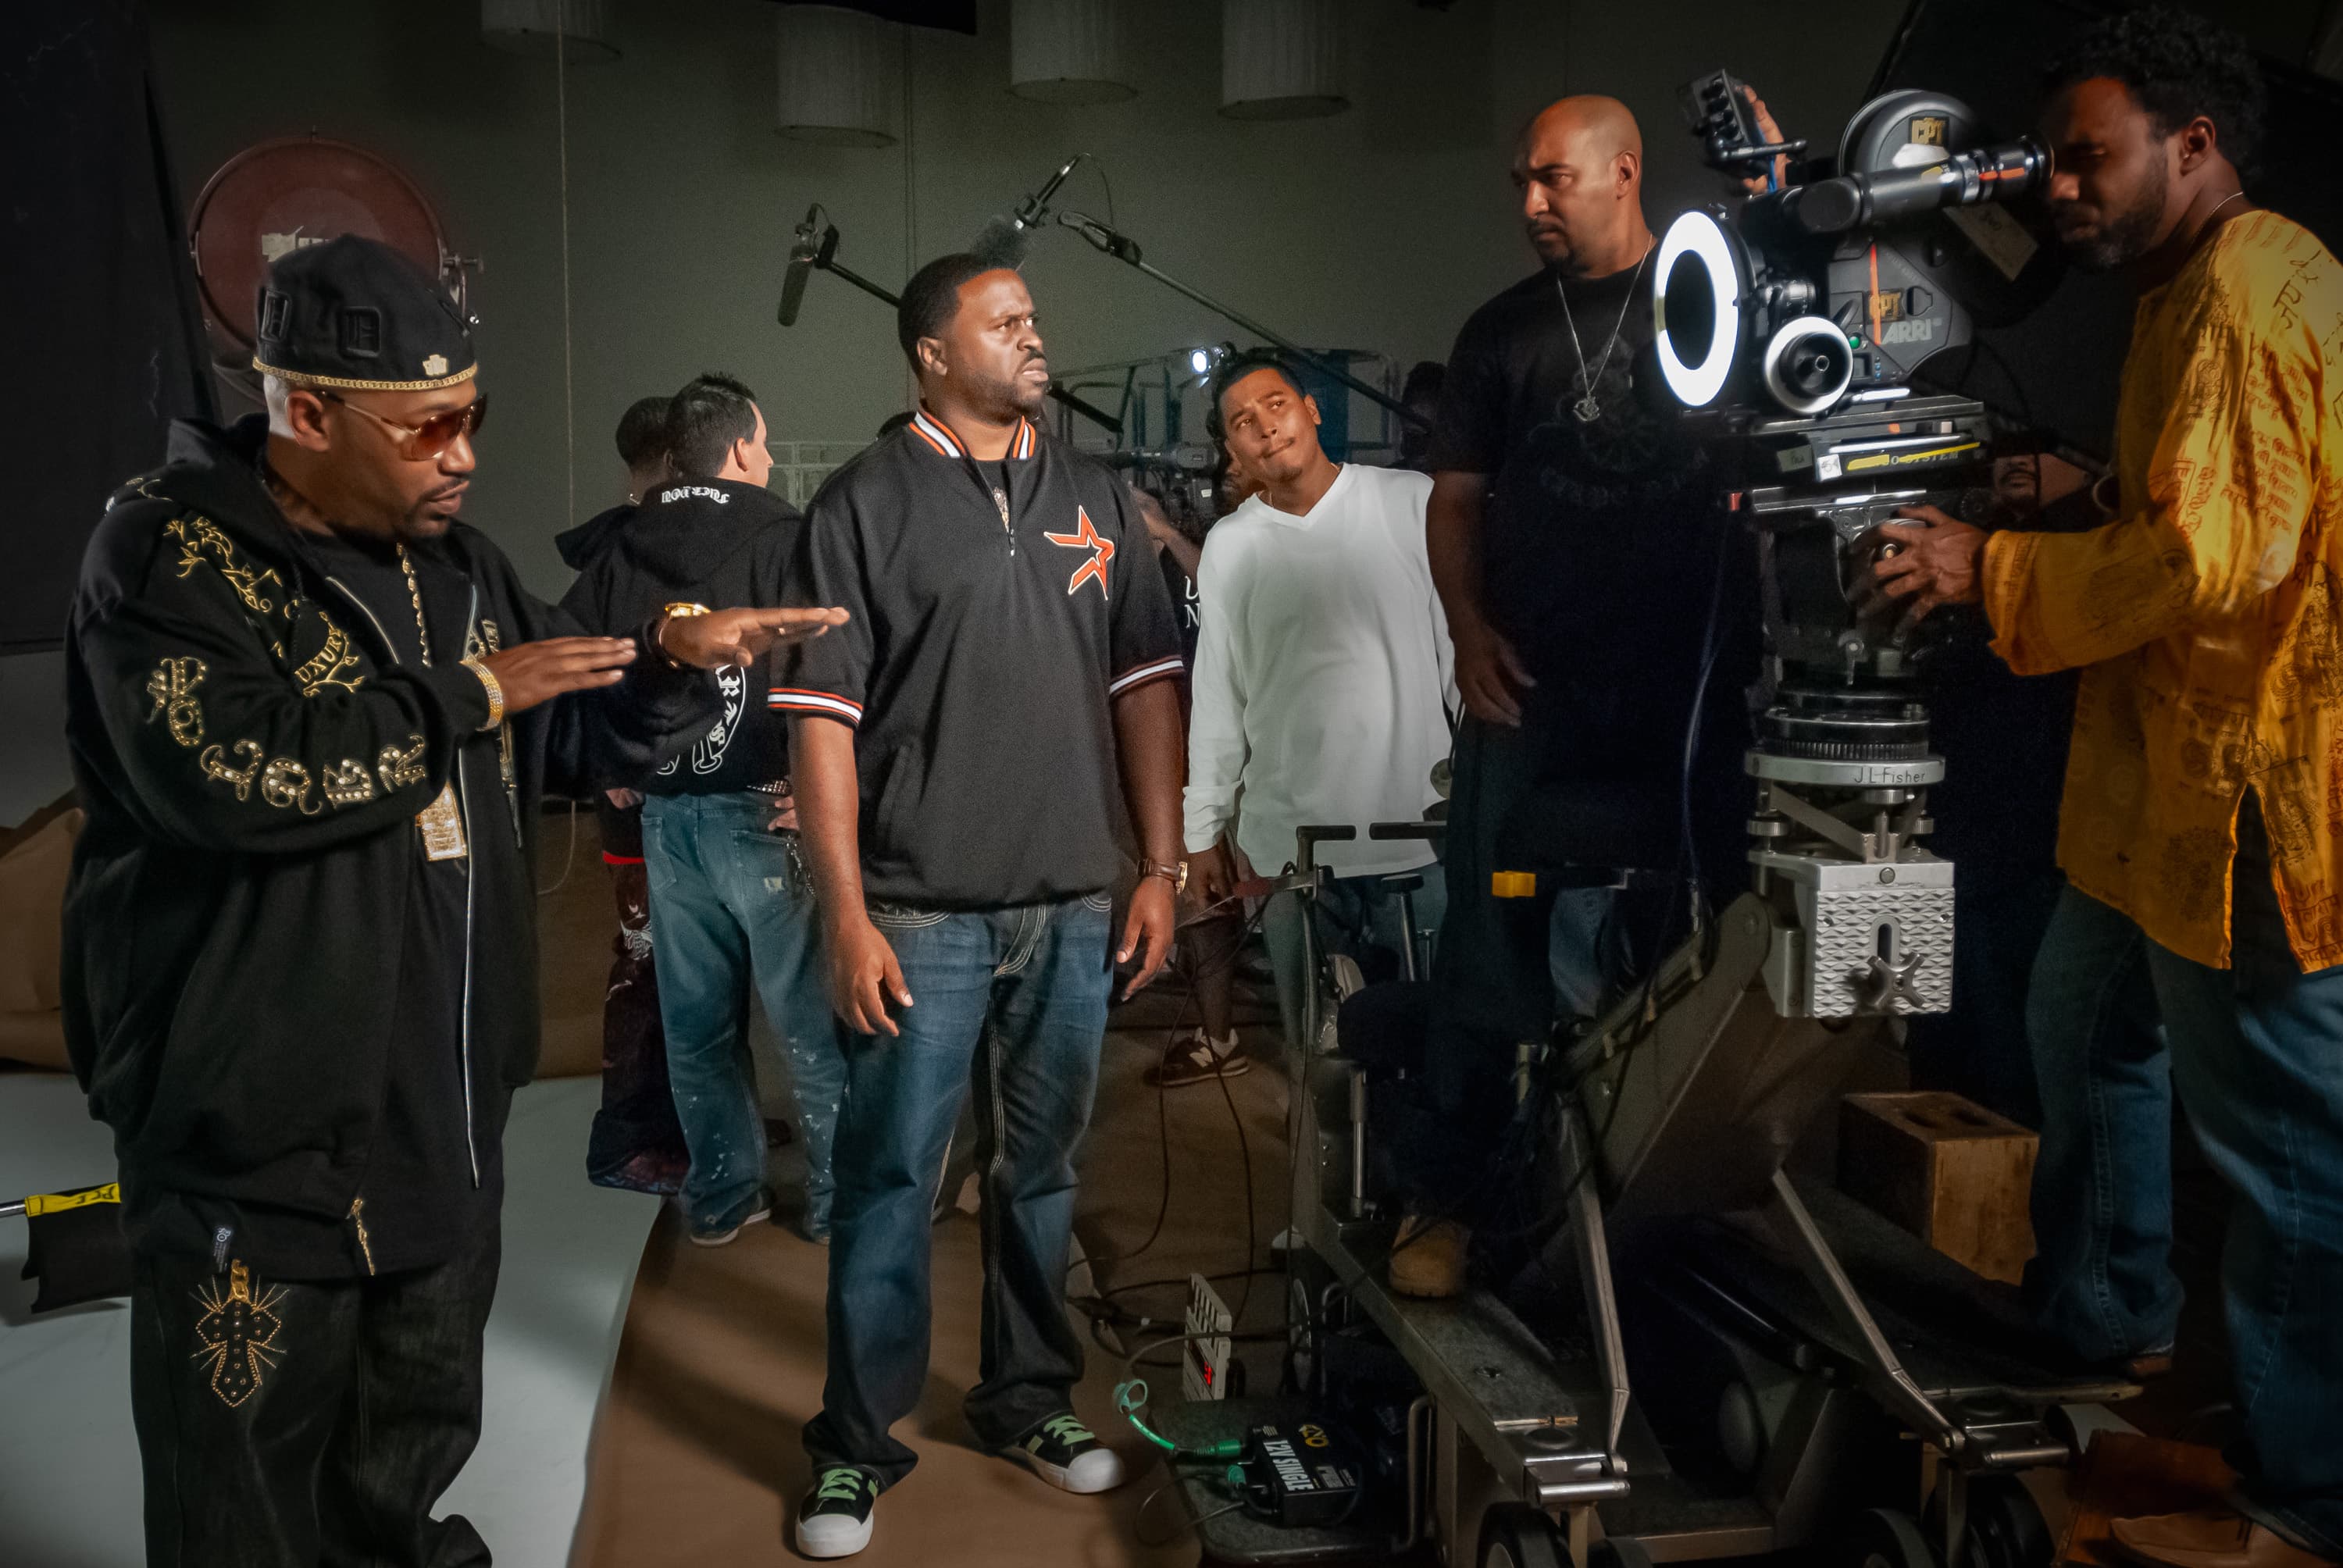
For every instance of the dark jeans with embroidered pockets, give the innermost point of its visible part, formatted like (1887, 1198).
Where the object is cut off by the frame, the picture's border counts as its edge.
(290, 1425)
(1011, 1005)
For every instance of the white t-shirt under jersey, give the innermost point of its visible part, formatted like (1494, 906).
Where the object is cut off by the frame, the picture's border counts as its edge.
(1323, 669)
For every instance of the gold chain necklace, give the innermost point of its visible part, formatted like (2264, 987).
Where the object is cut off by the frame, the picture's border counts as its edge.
(415, 592)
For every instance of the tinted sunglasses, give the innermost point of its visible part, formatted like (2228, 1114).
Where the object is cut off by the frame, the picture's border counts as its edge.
(434, 435)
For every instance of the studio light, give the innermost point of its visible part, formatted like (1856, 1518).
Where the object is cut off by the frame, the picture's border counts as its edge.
(1696, 304)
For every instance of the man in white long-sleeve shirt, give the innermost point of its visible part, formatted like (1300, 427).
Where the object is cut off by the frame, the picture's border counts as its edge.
(1323, 675)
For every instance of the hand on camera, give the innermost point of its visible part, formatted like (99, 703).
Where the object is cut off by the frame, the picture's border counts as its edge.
(1938, 559)
(1771, 133)
(738, 637)
(1488, 674)
(864, 976)
(538, 672)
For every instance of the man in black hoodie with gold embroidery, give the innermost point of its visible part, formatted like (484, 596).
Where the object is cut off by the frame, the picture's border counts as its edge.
(310, 716)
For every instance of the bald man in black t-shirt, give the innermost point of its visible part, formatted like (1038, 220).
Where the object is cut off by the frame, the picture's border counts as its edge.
(1557, 497)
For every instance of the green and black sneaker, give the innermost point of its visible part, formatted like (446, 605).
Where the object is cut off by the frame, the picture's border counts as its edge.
(1067, 1454)
(834, 1520)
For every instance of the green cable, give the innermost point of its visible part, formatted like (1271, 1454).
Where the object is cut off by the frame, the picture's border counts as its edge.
(1132, 1393)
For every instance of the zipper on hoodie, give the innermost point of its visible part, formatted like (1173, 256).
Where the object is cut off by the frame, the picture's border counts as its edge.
(464, 805)
(357, 1223)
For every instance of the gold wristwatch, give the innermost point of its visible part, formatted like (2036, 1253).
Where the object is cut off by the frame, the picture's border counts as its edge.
(1176, 873)
(659, 633)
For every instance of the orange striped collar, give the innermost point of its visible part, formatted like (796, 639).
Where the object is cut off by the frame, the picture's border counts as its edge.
(939, 435)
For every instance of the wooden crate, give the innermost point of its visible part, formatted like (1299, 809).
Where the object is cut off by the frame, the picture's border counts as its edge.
(1948, 1169)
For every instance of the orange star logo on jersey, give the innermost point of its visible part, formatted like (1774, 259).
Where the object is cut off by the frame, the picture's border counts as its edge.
(1086, 537)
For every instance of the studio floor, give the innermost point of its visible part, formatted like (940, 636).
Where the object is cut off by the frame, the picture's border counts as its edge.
(645, 1397)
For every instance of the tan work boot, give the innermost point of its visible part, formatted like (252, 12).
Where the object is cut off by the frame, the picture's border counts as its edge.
(2209, 1538)
(1428, 1258)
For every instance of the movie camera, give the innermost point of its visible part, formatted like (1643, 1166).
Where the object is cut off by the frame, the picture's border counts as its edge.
(1795, 325)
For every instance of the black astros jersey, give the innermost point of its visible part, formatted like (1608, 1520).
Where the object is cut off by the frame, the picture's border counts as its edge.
(998, 610)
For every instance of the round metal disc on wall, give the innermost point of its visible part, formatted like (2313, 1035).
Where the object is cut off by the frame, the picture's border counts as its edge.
(534, 27)
(838, 72)
(279, 195)
(1068, 52)
(1281, 59)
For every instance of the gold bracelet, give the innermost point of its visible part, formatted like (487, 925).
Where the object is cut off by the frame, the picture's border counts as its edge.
(496, 692)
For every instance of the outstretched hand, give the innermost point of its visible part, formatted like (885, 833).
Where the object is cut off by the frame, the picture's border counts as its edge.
(740, 637)
(536, 672)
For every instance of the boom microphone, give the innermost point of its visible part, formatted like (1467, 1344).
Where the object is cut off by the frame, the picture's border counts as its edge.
(817, 238)
(1005, 241)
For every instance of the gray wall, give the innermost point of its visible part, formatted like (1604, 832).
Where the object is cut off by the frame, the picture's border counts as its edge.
(1380, 228)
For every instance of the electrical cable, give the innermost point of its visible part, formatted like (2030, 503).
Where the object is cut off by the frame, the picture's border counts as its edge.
(1162, 1126)
(1099, 1307)
(569, 855)
(561, 122)
(1138, 1520)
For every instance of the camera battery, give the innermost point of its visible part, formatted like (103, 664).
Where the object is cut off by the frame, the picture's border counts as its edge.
(1297, 1475)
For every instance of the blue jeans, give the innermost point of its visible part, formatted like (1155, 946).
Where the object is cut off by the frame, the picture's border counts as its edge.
(2101, 1280)
(1011, 1004)
(2257, 1058)
(1359, 915)
(1980, 1049)
(731, 910)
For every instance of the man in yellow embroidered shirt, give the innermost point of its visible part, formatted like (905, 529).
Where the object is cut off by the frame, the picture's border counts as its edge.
(2204, 796)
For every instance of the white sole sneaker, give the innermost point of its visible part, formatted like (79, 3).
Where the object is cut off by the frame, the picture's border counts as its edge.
(1099, 1470)
(726, 1237)
(832, 1535)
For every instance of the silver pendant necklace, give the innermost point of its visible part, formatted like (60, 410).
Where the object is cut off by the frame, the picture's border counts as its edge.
(1588, 409)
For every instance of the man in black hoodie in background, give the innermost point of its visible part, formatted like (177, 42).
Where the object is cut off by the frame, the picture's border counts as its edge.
(641, 440)
(731, 901)
(636, 1143)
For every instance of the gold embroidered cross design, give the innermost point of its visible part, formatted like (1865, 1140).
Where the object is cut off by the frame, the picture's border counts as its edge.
(198, 535)
(214, 762)
(238, 1336)
(402, 768)
(173, 686)
(327, 668)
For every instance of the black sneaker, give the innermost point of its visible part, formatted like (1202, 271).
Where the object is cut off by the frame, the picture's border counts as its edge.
(1193, 1057)
(834, 1520)
(723, 1229)
(1064, 1452)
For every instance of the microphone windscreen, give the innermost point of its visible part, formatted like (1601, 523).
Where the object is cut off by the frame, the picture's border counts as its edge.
(1003, 242)
(793, 286)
